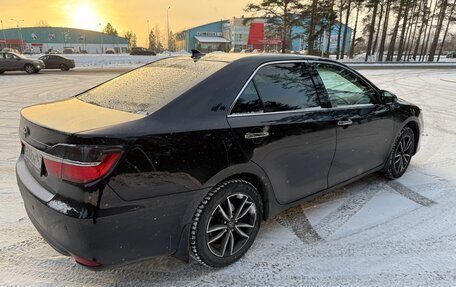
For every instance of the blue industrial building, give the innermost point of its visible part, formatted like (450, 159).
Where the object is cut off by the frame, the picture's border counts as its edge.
(235, 33)
(206, 37)
(299, 38)
(42, 39)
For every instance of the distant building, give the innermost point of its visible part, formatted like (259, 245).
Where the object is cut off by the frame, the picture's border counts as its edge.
(207, 37)
(252, 33)
(42, 39)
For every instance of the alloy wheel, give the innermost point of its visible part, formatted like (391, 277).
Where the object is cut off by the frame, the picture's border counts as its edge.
(403, 154)
(231, 225)
(29, 69)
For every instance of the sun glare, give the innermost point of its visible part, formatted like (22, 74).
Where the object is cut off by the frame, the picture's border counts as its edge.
(84, 16)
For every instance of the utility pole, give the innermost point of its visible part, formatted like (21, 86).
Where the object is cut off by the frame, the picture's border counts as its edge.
(18, 22)
(101, 37)
(167, 25)
(4, 35)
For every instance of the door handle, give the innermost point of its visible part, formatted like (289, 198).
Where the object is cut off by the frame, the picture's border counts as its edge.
(249, 136)
(344, 122)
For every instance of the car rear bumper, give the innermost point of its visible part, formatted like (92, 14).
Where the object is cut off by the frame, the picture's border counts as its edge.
(153, 227)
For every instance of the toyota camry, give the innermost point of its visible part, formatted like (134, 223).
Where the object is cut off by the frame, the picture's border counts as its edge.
(187, 156)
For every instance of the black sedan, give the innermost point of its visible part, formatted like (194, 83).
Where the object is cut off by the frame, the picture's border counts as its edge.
(187, 156)
(57, 62)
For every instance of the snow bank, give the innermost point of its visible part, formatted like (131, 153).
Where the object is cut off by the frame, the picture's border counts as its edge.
(116, 60)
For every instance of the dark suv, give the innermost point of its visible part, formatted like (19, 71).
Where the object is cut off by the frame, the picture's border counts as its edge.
(15, 62)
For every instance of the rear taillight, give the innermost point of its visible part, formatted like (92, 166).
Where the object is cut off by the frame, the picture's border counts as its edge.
(85, 262)
(81, 172)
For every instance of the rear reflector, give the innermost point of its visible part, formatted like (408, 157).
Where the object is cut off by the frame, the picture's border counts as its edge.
(85, 262)
(81, 172)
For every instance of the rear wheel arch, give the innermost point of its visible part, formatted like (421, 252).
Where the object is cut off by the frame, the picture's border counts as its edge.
(253, 174)
(413, 125)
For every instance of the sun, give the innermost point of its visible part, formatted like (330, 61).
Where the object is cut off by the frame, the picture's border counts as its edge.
(84, 16)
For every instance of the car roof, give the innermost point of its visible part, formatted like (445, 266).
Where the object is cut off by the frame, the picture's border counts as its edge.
(259, 58)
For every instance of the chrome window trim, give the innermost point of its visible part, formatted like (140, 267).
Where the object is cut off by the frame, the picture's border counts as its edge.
(250, 79)
(313, 109)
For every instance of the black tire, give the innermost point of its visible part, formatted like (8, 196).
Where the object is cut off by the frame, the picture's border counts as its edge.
(64, 67)
(230, 238)
(30, 69)
(1, 72)
(400, 155)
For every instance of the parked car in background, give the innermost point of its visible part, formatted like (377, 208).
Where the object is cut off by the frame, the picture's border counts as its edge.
(68, 51)
(142, 51)
(11, 50)
(172, 159)
(110, 51)
(57, 62)
(29, 51)
(451, 54)
(53, 51)
(14, 62)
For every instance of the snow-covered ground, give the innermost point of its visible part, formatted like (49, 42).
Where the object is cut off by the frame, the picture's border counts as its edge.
(371, 233)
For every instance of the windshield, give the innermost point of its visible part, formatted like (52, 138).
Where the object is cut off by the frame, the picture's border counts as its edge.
(151, 87)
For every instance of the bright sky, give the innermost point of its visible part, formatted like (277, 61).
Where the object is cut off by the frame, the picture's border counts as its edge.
(124, 15)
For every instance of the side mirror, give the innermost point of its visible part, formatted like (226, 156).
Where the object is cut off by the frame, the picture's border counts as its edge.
(388, 97)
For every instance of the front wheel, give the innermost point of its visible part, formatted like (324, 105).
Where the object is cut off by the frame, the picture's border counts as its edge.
(401, 154)
(226, 223)
(64, 67)
(30, 69)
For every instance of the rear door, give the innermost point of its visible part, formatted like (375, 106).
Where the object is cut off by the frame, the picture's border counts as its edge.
(280, 125)
(364, 125)
(53, 62)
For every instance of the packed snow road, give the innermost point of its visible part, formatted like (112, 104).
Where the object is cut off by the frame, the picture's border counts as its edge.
(372, 233)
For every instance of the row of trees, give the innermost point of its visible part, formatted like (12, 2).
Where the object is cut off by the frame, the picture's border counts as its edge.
(155, 38)
(393, 29)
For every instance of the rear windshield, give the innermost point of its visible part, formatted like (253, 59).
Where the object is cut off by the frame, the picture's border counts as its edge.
(146, 90)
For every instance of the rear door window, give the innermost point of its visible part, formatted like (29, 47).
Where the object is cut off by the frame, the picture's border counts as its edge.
(147, 89)
(285, 87)
(278, 87)
(248, 102)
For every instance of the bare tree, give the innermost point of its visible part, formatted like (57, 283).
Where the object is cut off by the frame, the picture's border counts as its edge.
(381, 48)
(339, 32)
(450, 19)
(380, 17)
(405, 19)
(374, 4)
(347, 17)
(359, 6)
(438, 30)
(392, 44)
(426, 39)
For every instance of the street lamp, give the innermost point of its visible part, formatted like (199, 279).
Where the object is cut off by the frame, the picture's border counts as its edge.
(101, 37)
(3, 30)
(18, 22)
(167, 25)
